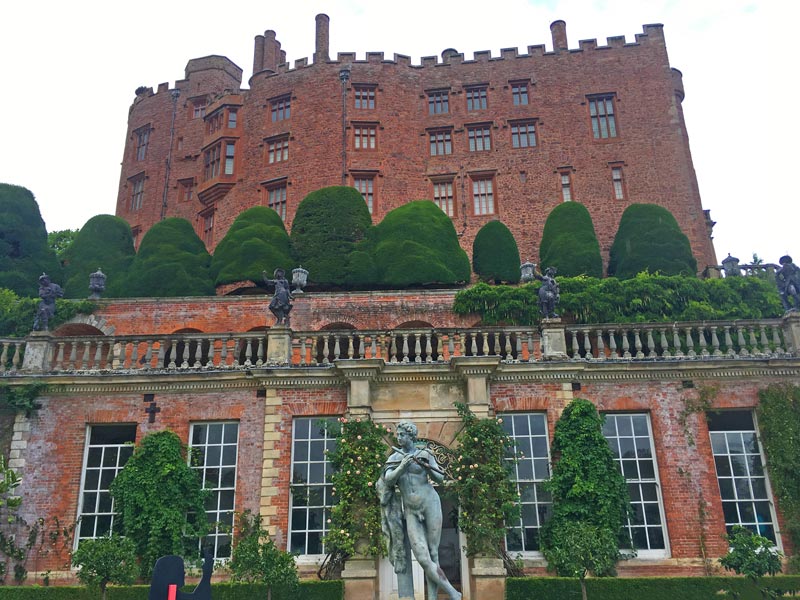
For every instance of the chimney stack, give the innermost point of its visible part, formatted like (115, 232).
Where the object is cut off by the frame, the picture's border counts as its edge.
(322, 38)
(558, 29)
(258, 55)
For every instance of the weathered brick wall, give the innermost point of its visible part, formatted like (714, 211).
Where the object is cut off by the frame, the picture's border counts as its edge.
(652, 144)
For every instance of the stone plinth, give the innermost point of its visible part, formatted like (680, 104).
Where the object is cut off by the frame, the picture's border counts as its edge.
(360, 577)
(554, 342)
(279, 345)
(487, 578)
(38, 352)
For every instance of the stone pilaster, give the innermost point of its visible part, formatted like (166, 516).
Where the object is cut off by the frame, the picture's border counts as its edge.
(360, 374)
(268, 509)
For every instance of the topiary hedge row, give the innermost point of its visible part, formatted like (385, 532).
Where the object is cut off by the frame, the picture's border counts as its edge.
(308, 590)
(651, 588)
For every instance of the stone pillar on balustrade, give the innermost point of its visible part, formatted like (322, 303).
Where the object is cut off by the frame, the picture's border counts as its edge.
(38, 352)
(279, 346)
(554, 341)
(791, 332)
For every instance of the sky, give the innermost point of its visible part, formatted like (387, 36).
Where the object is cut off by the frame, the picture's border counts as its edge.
(68, 71)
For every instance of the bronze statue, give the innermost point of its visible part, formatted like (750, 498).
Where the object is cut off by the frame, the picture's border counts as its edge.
(549, 294)
(48, 292)
(788, 280)
(412, 514)
(280, 304)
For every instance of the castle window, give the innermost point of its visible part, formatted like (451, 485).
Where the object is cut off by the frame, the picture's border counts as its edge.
(476, 98)
(214, 122)
(186, 190)
(443, 196)
(281, 108)
(438, 102)
(364, 135)
(523, 134)
(519, 93)
(213, 452)
(441, 142)
(107, 450)
(565, 177)
(208, 227)
(601, 110)
(366, 185)
(743, 485)
(276, 197)
(529, 432)
(230, 150)
(618, 182)
(480, 138)
(137, 191)
(142, 139)
(364, 96)
(199, 108)
(211, 162)
(483, 195)
(232, 117)
(631, 442)
(277, 149)
(311, 495)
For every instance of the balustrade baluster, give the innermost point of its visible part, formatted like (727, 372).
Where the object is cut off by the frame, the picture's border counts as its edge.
(762, 329)
(212, 353)
(518, 346)
(486, 344)
(185, 355)
(601, 347)
(260, 351)
(612, 344)
(325, 350)
(393, 349)
(715, 342)
(361, 350)
(337, 348)
(776, 341)
(531, 347)
(350, 349)
(742, 344)
(689, 343)
(373, 347)
(729, 342)
(172, 350)
(4, 356)
(134, 355)
(587, 344)
(474, 345)
(73, 351)
(701, 331)
(651, 345)
(637, 343)
(428, 347)
(17, 358)
(676, 341)
(626, 347)
(303, 350)
(60, 357)
(664, 344)
(417, 348)
(85, 356)
(751, 334)
(436, 342)
(223, 353)
(405, 348)
(198, 353)
(576, 349)
(248, 352)
(507, 348)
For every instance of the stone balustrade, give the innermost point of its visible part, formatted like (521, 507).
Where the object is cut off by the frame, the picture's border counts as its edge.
(11, 350)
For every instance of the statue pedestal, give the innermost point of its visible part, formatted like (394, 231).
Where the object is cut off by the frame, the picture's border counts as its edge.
(38, 352)
(554, 342)
(487, 578)
(279, 346)
(791, 333)
(360, 577)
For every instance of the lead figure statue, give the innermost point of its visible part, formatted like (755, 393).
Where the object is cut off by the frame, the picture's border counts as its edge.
(46, 310)
(549, 294)
(280, 304)
(411, 514)
(788, 280)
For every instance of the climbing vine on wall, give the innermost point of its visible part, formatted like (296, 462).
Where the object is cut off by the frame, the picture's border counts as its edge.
(22, 398)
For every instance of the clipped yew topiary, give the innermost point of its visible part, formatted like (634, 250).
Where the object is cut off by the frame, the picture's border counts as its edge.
(327, 225)
(569, 242)
(650, 239)
(415, 244)
(495, 256)
(172, 261)
(257, 241)
(24, 251)
(105, 241)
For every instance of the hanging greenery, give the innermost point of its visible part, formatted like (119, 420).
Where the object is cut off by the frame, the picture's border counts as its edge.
(487, 496)
(779, 425)
(357, 460)
(22, 398)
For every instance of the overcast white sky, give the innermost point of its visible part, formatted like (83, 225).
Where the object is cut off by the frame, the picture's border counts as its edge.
(68, 71)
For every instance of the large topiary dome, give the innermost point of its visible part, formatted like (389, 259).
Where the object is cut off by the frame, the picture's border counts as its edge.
(569, 242)
(495, 256)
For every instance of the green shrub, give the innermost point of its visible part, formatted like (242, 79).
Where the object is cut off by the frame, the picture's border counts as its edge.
(172, 261)
(256, 558)
(105, 241)
(24, 252)
(106, 560)
(327, 225)
(569, 242)
(257, 241)
(495, 256)
(650, 239)
(415, 244)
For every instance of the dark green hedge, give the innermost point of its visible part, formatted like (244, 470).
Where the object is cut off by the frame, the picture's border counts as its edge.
(569, 242)
(495, 256)
(645, 588)
(308, 590)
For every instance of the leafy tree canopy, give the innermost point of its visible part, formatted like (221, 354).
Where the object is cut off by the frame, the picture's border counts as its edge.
(24, 252)
(106, 560)
(415, 244)
(172, 261)
(59, 241)
(569, 242)
(327, 225)
(650, 239)
(257, 241)
(154, 493)
(104, 242)
(495, 256)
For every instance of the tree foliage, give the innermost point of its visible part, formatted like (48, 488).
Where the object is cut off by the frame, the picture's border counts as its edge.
(104, 242)
(588, 490)
(105, 560)
(750, 555)
(257, 241)
(415, 244)
(60, 241)
(172, 261)
(487, 496)
(495, 256)
(650, 239)
(569, 242)
(327, 225)
(159, 500)
(24, 252)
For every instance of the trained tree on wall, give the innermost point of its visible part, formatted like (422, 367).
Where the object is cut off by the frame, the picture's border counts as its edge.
(590, 498)
(569, 242)
(327, 225)
(159, 500)
(415, 244)
(495, 256)
(172, 261)
(650, 239)
(104, 242)
(257, 241)
(24, 252)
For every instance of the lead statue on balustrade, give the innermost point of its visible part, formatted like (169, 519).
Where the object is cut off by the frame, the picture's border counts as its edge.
(280, 305)
(788, 281)
(412, 513)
